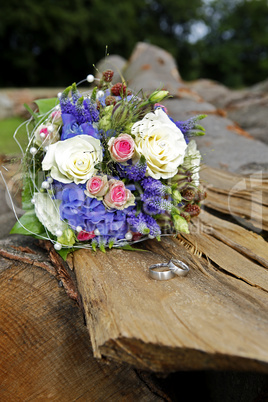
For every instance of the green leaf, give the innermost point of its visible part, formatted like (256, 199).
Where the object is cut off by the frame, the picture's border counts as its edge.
(28, 225)
(128, 247)
(27, 107)
(64, 252)
(45, 105)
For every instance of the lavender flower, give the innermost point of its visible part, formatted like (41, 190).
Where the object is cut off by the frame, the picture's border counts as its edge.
(153, 187)
(156, 205)
(144, 224)
(133, 172)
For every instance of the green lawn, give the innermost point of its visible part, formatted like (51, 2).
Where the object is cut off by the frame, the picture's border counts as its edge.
(7, 129)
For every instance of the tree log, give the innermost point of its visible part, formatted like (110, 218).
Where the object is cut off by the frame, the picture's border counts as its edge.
(215, 318)
(45, 348)
(243, 197)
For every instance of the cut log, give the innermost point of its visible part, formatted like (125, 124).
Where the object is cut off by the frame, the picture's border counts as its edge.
(215, 318)
(243, 197)
(45, 348)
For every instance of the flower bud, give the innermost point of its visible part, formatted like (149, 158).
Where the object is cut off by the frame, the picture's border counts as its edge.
(158, 96)
(180, 224)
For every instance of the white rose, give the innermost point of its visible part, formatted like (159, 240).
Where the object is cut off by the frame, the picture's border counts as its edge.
(192, 161)
(46, 134)
(74, 159)
(161, 142)
(47, 211)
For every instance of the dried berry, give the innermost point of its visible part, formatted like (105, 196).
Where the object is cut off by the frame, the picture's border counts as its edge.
(188, 194)
(118, 89)
(110, 100)
(192, 209)
(108, 75)
(186, 216)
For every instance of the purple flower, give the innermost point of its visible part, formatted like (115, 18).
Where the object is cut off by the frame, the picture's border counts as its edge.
(90, 214)
(156, 205)
(132, 172)
(153, 187)
(71, 128)
(144, 224)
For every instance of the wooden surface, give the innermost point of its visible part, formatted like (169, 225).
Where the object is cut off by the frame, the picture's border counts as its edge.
(46, 353)
(215, 318)
(243, 197)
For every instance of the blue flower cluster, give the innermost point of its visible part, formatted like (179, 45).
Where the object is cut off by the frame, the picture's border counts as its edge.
(144, 224)
(90, 214)
(78, 115)
(132, 172)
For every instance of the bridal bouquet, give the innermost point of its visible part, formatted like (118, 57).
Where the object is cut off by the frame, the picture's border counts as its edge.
(108, 168)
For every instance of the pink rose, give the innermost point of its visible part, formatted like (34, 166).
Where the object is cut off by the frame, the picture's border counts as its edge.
(118, 196)
(121, 148)
(84, 236)
(97, 186)
(46, 134)
(56, 116)
(156, 105)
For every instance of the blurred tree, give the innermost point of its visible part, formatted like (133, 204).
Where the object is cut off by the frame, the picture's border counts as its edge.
(53, 42)
(235, 51)
(50, 42)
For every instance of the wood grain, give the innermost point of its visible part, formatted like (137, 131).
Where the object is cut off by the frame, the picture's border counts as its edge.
(243, 197)
(215, 318)
(45, 350)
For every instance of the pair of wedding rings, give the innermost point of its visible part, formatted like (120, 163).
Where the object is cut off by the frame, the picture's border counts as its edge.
(173, 268)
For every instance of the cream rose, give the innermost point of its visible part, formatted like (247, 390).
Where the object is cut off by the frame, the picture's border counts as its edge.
(74, 159)
(192, 161)
(161, 142)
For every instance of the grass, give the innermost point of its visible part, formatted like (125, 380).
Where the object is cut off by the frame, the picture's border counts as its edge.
(8, 145)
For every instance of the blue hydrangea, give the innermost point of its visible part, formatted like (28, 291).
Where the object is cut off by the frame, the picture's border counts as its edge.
(90, 214)
(71, 128)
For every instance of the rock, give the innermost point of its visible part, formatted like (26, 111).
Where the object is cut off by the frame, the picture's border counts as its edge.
(224, 145)
(6, 106)
(246, 107)
(112, 62)
(151, 68)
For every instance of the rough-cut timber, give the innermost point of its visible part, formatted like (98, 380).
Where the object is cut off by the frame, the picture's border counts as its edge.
(46, 353)
(215, 318)
(243, 197)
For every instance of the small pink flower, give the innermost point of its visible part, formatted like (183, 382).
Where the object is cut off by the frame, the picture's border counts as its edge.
(46, 134)
(56, 116)
(156, 105)
(97, 186)
(118, 196)
(84, 236)
(44, 131)
(121, 148)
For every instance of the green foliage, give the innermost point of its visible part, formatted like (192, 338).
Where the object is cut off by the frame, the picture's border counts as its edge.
(64, 252)
(45, 105)
(235, 51)
(52, 42)
(29, 225)
(7, 129)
